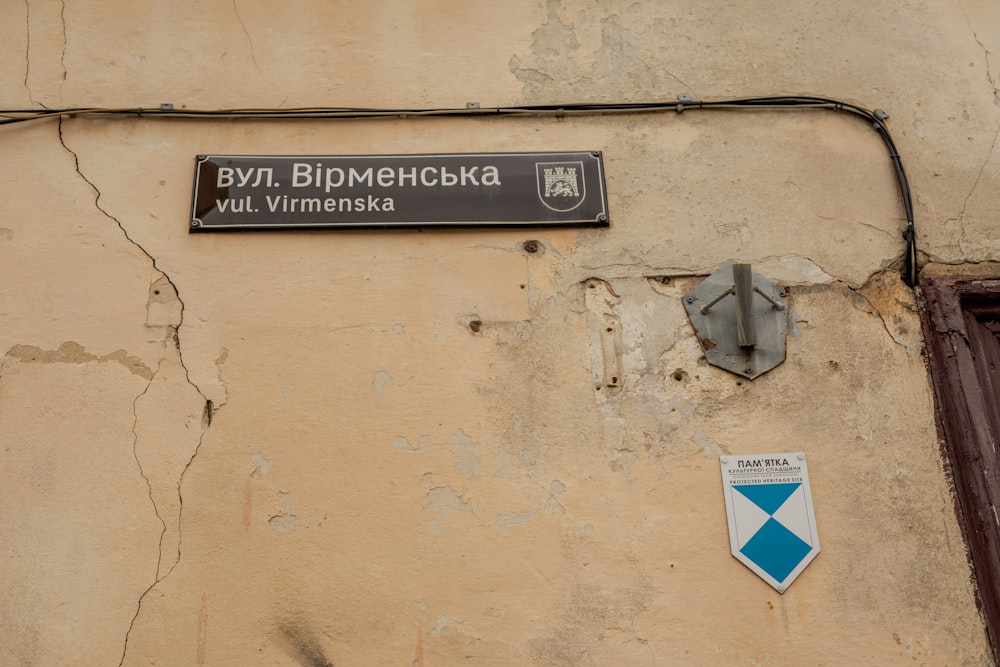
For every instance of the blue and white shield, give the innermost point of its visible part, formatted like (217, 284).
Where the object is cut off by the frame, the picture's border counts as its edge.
(772, 525)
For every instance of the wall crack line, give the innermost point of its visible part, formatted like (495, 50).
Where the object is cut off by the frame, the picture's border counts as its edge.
(156, 510)
(986, 51)
(960, 219)
(27, 49)
(874, 311)
(105, 213)
(253, 52)
(174, 334)
(62, 54)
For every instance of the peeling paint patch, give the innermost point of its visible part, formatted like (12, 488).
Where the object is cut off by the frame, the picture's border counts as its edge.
(260, 465)
(466, 453)
(284, 522)
(606, 333)
(381, 381)
(558, 67)
(163, 307)
(505, 521)
(445, 500)
(71, 352)
(403, 444)
(441, 626)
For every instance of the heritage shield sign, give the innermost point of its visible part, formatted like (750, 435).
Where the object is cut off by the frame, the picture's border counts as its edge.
(772, 525)
(234, 192)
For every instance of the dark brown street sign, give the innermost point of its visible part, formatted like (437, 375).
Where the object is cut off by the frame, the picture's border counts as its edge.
(452, 190)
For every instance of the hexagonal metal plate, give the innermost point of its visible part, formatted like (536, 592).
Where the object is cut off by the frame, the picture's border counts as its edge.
(716, 329)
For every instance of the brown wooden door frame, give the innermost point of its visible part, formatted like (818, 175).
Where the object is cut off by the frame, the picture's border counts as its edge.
(960, 319)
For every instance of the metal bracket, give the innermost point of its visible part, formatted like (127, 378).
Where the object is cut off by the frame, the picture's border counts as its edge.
(746, 334)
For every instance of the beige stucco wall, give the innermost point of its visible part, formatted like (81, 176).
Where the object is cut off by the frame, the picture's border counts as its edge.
(291, 449)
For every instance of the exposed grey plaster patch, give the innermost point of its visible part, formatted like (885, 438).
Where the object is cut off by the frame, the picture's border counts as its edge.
(556, 66)
(284, 522)
(622, 461)
(466, 453)
(260, 465)
(505, 521)
(552, 42)
(445, 500)
(381, 381)
(442, 626)
(617, 57)
(403, 444)
(7, 234)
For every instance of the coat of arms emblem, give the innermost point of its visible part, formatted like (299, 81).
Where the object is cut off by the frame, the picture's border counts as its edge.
(560, 184)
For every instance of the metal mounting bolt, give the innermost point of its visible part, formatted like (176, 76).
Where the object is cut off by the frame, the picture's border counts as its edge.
(530, 246)
(196, 223)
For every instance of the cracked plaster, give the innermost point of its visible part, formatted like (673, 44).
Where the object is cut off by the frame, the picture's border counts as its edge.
(286, 341)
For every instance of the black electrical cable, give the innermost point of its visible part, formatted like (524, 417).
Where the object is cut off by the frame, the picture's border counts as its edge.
(683, 103)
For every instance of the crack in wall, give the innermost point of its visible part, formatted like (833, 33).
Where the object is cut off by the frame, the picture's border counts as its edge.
(253, 51)
(62, 54)
(986, 51)
(861, 223)
(173, 334)
(149, 485)
(874, 311)
(27, 49)
(960, 218)
(105, 213)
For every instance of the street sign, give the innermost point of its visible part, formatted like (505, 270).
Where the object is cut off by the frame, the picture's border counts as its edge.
(244, 192)
(772, 525)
